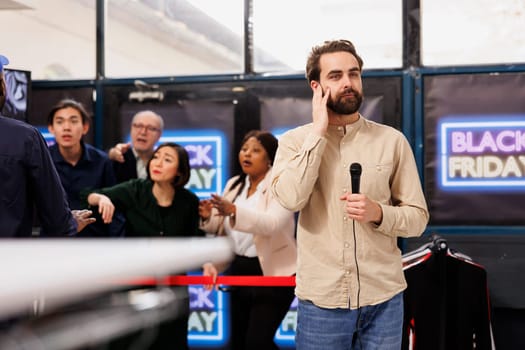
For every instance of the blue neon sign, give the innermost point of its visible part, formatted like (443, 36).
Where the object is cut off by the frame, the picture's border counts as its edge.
(207, 150)
(208, 322)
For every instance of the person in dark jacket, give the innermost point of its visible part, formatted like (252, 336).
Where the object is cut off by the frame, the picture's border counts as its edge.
(130, 159)
(28, 180)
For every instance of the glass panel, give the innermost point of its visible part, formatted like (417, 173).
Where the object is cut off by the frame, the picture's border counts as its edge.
(52, 39)
(472, 32)
(285, 31)
(174, 37)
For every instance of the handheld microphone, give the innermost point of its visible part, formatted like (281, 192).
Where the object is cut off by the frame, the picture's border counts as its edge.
(355, 175)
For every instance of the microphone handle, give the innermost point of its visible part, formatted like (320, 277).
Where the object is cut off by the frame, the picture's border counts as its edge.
(355, 184)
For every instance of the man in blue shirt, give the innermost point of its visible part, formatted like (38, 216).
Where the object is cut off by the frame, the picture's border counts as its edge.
(80, 166)
(28, 179)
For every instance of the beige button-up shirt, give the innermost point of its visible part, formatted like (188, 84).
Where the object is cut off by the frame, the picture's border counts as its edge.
(310, 174)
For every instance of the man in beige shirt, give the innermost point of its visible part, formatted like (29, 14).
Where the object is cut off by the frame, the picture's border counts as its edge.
(349, 273)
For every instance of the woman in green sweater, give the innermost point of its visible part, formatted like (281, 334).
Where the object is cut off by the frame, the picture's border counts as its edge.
(158, 206)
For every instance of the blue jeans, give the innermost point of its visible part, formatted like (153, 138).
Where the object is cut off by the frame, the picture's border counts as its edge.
(379, 327)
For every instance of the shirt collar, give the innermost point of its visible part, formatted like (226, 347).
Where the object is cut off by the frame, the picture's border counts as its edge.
(57, 156)
(135, 153)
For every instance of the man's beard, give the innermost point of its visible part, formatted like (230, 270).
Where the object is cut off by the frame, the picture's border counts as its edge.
(346, 106)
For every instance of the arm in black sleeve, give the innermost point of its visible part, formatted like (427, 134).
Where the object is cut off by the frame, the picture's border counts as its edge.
(116, 227)
(123, 195)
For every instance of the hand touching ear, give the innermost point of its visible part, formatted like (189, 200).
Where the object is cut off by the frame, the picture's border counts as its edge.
(319, 108)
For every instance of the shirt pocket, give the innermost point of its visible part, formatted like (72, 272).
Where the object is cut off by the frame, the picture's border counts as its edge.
(375, 181)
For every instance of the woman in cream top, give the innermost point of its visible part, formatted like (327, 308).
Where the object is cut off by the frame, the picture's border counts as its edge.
(263, 235)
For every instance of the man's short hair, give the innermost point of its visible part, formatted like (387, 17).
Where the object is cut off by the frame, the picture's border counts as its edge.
(313, 71)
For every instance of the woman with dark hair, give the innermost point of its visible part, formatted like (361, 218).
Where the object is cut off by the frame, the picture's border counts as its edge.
(158, 206)
(264, 243)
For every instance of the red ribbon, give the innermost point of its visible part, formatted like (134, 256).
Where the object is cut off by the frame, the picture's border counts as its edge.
(260, 281)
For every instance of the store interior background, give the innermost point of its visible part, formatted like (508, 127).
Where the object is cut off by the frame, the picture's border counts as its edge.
(235, 65)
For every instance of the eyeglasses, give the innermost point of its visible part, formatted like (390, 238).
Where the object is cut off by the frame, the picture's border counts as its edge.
(148, 128)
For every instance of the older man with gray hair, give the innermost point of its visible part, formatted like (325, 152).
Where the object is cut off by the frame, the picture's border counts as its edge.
(130, 159)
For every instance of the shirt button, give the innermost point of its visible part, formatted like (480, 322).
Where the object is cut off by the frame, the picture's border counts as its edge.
(344, 190)
(345, 218)
(378, 168)
(347, 272)
(347, 245)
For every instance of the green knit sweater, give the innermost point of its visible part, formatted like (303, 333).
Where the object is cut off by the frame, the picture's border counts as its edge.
(145, 218)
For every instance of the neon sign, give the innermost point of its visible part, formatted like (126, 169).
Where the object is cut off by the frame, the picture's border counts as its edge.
(285, 335)
(207, 323)
(207, 151)
(482, 154)
(48, 137)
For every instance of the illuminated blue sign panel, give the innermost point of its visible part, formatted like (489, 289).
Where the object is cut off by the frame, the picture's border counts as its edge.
(48, 137)
(285, 335)
(482, 154)
(207, 324)
(207, 150)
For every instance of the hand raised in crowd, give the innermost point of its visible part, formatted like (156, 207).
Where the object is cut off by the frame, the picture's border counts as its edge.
(117, 153)
(83, 218)
(205, 207)
(223, 206)
(208, 269)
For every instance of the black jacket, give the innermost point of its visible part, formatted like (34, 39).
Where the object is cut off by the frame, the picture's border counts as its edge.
(28, 179)
(446, 303)
(127, 170)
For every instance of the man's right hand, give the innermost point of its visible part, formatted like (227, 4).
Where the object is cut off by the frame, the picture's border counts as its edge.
(319, 108)
(117, 153)
(83, 218)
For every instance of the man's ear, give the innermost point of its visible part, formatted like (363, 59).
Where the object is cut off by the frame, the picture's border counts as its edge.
(314, 84)
(85, 128)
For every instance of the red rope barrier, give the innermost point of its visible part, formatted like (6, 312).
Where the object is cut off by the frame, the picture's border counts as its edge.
(260, 281)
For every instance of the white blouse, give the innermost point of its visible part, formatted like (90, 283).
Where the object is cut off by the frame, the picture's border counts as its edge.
(243, 241)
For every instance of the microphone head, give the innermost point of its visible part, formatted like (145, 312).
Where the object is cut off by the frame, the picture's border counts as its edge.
(355, 169)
